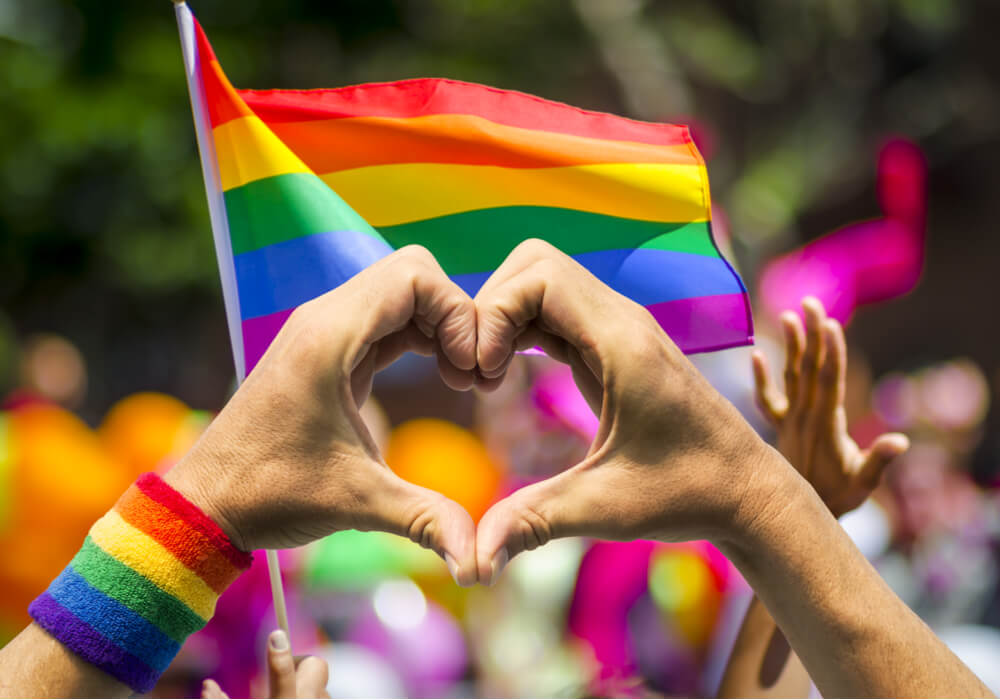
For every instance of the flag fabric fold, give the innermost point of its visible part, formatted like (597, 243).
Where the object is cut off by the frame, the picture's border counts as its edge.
(318, 184)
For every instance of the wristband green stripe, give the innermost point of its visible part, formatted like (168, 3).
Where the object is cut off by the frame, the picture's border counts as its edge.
(136, 592)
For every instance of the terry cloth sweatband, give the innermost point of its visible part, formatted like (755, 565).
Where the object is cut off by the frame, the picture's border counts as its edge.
(147, 577)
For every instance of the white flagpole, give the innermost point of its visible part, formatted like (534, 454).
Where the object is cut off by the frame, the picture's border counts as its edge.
(223, 248)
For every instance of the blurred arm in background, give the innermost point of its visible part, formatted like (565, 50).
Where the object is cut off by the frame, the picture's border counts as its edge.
(812, 435)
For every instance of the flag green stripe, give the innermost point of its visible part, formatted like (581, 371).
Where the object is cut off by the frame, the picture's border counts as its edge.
(477, 241)
(286, 207)
(136, 592)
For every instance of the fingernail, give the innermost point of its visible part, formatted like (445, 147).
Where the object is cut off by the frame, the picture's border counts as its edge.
(278, 641)
(497, 565)
(452, 566)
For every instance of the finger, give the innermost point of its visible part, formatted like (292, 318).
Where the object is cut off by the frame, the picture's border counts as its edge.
(529, 518)
(395, 345)
(427, 518)
(280, 666)
(410, 285)
(413, 339)
(814, 352)
(564, 298)
(772, 404)
(454, 377)
(311, 676)
(832, 381)
(877, 457)
(795, 342)
(516, 261)
(211, 689)
(383, 354)
(558, 349)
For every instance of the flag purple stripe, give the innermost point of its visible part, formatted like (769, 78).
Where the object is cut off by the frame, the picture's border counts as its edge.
(698, 324)
(258, 334)
(704, 324)
(91, 645)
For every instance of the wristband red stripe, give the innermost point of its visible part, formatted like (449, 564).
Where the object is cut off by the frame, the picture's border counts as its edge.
(156, 489)
(189, 545)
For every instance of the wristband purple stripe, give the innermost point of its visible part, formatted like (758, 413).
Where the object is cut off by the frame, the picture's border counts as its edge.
(148, 575)
(91, 645)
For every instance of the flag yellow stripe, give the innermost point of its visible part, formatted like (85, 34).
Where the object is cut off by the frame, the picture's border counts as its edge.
(389, 195)
(147, 557)
(247, 151)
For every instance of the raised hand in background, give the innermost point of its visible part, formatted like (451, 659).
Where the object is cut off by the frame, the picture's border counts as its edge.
(809, 416)
(811, 427)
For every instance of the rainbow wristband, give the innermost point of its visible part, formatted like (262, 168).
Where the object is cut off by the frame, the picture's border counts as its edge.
(148, 575)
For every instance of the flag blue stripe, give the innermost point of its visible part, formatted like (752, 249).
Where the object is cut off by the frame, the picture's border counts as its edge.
(283, 275)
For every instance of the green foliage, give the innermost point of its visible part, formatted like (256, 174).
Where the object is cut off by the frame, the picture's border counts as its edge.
(104, 232)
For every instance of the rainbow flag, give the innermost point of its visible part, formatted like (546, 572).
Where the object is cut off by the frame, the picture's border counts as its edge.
(308, 187)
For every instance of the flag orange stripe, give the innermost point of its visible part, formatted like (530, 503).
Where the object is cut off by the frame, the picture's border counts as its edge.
(330, 145)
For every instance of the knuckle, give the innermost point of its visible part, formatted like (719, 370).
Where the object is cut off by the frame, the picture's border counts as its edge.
(536, 247)
(546, 268)
(412, 262)
(421, 524)
(532, 530)
(415, 252)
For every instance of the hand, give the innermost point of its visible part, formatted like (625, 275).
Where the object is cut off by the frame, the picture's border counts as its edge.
(289, 459)
(809, 417)
(672, 459)
(304, 677)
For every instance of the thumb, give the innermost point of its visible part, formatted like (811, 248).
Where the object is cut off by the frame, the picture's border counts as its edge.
(431, 520)
(280, 666)
(211, 689)
(312, 676)
(877, 457)
(527, 519)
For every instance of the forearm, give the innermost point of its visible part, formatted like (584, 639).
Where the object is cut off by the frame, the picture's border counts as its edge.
(853, 634)
(761, 664)
(36, 665)
(147, 576)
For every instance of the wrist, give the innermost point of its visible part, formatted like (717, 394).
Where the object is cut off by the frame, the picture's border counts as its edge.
(200, 478)
(769, 495)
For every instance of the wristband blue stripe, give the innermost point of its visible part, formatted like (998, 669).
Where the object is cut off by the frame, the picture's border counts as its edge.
(116, 622)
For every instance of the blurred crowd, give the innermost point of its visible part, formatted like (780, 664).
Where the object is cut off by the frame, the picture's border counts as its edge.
(574, 618)
(108, 285)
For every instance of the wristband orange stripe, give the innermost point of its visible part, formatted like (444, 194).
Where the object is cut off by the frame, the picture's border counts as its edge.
(192, 548)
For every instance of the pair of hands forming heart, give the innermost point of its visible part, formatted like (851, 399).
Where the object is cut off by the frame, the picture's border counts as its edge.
(289, 459)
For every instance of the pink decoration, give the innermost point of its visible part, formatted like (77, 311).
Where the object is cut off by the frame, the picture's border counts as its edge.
(613, 576)
(866, 262)
(557, 396)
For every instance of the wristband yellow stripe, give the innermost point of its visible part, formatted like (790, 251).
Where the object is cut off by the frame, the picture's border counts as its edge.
(140, 552)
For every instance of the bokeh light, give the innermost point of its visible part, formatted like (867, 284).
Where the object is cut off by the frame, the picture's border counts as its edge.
(852, 149)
